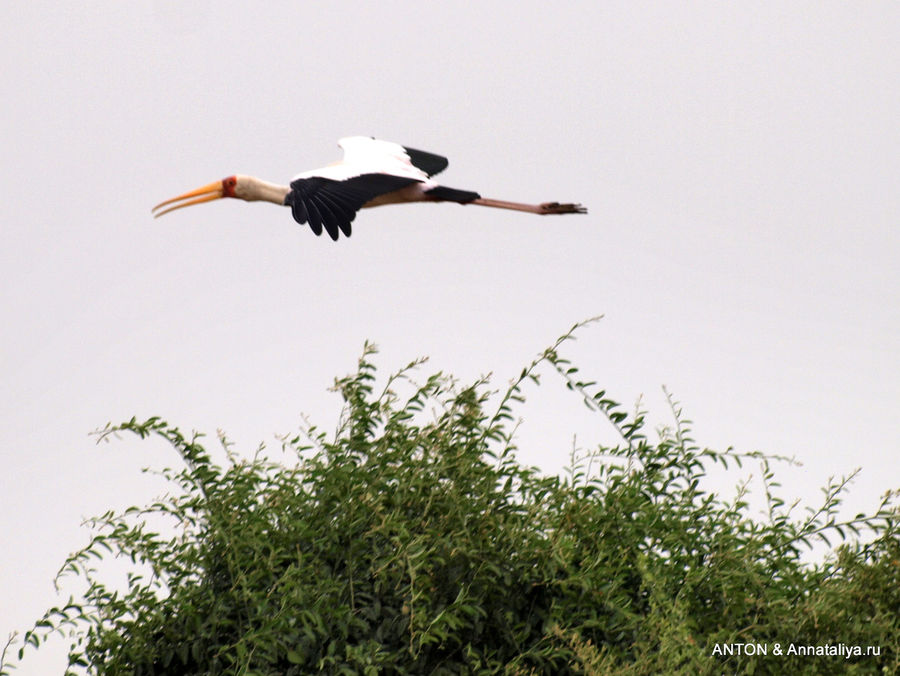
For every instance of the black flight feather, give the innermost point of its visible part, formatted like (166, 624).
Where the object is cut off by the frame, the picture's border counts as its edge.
(324, 202)
(430, 163)
(315, 218)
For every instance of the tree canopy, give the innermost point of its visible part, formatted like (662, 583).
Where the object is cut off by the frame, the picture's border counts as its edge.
(411, 541)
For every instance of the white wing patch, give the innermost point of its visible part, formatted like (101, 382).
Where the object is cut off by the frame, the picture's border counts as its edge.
(369, 155)
(365, 155)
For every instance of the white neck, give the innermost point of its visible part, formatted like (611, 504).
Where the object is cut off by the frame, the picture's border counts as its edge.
(253, 189)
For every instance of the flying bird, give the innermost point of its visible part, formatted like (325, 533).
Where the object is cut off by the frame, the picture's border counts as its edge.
(372, 173)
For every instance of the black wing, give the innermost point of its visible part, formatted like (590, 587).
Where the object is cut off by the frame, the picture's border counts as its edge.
(430, 163)
(324, 202)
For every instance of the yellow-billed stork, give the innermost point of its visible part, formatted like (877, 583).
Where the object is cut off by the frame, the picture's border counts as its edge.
(372, 173)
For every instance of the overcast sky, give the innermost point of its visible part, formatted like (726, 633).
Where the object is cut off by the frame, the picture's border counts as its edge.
(740, 162)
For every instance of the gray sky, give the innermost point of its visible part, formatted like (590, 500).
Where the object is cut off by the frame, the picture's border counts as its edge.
(740, 162)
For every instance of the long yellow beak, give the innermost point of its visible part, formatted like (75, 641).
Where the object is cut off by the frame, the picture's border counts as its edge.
(207, 193)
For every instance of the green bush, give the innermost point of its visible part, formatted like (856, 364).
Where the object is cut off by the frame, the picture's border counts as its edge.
(414, 543)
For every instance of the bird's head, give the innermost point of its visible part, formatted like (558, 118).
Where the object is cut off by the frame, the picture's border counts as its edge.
(227, 187)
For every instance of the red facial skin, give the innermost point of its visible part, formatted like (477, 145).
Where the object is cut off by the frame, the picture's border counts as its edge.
(228, 186)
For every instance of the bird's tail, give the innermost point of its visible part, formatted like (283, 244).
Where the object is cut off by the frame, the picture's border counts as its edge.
(444, 194)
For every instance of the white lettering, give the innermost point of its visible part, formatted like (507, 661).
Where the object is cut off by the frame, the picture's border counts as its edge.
(794, 649)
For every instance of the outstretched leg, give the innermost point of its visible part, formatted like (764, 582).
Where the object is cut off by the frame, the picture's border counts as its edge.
(544, 209)
(443, 194)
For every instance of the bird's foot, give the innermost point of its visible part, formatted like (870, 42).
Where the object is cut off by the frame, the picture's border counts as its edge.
(556, 208)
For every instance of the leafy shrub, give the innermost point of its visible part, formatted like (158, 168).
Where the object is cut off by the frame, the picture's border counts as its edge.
(414, 543)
